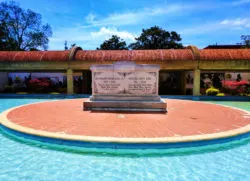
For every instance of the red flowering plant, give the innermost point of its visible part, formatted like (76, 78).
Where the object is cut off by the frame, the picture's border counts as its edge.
(235, 87)
(39, 84)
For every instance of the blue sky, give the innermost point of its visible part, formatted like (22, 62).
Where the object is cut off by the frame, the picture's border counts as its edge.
(89, 22)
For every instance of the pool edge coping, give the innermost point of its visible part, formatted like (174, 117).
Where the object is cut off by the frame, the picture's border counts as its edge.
(173, 139)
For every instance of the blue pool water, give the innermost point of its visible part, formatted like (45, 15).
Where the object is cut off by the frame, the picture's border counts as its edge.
(20, 161)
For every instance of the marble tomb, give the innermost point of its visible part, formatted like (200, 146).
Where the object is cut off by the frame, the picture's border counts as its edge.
(125, 86)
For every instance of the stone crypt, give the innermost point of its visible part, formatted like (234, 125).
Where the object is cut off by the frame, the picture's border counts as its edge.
(125, 86)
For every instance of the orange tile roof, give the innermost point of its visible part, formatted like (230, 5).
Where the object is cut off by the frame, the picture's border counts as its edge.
(147, 56)
(134, 55)
(225, 54)
(14, 56)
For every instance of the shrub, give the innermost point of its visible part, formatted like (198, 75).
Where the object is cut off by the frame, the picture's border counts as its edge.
(220, 94)
(39, 85)
(212, 91)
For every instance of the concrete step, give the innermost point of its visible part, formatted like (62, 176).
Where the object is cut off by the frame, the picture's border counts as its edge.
(144, 106)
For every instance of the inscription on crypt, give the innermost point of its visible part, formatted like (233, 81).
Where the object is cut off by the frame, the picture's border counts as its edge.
(125, 78)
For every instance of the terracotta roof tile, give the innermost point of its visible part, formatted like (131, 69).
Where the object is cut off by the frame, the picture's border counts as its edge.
(34, 56)
(133, 55)
(225, 54)
(147, 56)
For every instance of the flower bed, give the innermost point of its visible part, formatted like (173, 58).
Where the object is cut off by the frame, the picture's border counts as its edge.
(236, 87)
(40, 85)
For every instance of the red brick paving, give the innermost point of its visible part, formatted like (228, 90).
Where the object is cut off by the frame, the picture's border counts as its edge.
(183, 118)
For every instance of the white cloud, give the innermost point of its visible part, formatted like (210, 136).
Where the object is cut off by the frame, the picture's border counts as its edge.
(90, 18)
(238, 23)
(96, 28)
(140, 16)
(133, 17)
(226, 24)
(86, 38)
(143, 15)
(108, 32)
(240, 2)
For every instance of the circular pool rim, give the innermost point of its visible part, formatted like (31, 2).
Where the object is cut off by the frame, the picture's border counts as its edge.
(123, 140)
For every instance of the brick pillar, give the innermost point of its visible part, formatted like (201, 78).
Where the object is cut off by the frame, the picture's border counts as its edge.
(196, 88)
(70, 81)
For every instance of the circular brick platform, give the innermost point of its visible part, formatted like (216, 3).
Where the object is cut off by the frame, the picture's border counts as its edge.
(185, 121)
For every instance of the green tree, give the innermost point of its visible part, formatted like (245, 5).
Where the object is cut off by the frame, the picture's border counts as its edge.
(245, 40)
(157, 38)
(22, 29)
(114, 43)
(6, 43)
(66, 45)
(3, 34)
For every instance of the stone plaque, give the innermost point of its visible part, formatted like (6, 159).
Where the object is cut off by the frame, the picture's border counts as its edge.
(141, 83)
(125, 78)
(108, 83)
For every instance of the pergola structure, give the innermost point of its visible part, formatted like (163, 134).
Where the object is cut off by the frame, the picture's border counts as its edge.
(76, 59)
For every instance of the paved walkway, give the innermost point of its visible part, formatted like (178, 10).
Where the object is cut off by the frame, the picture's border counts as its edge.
(184, 118)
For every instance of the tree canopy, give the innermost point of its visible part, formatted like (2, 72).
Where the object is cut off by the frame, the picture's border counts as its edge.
(22, 29)
(114, 43)
(4, 45)
(246, 40)
(157, 38)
